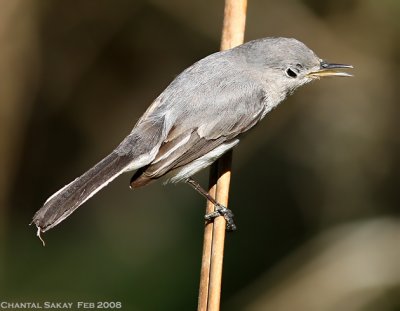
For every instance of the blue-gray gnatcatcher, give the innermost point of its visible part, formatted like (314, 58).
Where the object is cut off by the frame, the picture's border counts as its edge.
(197, 118)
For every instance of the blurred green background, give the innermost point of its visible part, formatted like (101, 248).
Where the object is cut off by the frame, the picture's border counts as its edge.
(314, 189)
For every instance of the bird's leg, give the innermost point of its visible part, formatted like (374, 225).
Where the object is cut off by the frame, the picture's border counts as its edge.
(220, 210)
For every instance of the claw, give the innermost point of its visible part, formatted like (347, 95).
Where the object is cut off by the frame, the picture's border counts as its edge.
(221, 210)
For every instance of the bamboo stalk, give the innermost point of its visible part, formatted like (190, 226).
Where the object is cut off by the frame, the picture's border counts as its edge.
(220, 173)
(218, 234)
(207, 243)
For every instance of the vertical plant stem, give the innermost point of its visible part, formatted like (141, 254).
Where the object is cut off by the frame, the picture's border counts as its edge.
(218, 234)
(207, 243)
(220, 174)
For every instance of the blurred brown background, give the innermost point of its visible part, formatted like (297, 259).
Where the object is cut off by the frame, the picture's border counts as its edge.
(315, 186)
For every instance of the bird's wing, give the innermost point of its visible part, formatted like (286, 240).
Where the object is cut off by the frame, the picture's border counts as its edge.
(185, 143)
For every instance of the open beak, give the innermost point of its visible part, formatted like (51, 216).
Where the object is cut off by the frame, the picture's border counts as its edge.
(330, 70)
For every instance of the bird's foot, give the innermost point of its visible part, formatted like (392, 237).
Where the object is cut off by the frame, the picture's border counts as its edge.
(221, 210)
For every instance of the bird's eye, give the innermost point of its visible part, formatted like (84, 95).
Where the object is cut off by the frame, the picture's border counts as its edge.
(291, 73)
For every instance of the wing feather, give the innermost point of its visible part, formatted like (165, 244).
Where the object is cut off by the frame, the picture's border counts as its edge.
(180, 149)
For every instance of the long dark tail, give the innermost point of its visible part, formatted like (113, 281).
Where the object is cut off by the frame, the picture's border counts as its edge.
(65, 201)
(137, 150)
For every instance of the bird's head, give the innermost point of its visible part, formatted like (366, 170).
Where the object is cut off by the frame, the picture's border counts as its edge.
(288, 63)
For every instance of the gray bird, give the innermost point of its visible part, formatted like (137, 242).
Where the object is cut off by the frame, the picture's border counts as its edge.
(199, 116)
